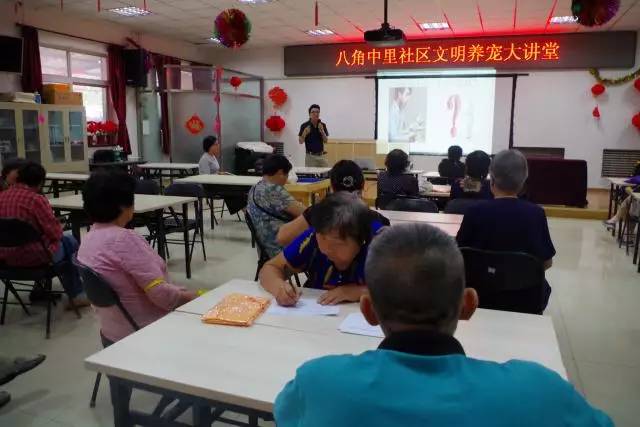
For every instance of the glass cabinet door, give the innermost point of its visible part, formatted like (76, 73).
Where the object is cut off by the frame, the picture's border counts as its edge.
(56, 136)
(31, 129)
(8, 135)
(76, 136)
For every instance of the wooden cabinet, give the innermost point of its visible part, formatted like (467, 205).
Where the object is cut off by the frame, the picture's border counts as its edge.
(53, 135)
(349, 149)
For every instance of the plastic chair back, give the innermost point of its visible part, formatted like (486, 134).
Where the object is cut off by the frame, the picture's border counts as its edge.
(99, 292)
(412, 205)
(508, 281)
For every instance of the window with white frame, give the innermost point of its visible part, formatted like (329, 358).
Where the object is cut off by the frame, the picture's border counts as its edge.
(86, 72)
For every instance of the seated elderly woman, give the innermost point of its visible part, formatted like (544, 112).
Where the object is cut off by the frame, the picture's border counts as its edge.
(332, 252)
(395, 181)
(346, 176)
(508, 223)
(474, 185)
(270, 204)
(124, 258)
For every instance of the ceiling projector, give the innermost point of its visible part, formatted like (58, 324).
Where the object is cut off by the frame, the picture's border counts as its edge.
(385, 36)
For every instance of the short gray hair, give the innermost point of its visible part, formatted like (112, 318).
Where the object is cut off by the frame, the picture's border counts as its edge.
(509, 171)
(415, 275)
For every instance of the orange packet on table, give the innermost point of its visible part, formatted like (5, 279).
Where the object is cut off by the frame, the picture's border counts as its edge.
(237, 310)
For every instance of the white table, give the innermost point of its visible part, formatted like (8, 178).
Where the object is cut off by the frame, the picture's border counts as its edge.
(223, 181)
(64, 178)
(247, 367)
(143, 203)
(422, 217)
(615, 185)
(311, 171)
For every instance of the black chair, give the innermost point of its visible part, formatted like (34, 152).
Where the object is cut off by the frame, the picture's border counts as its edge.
(262, 253)
(508, 281)
(101, 295)
(412, 205)
(147, 186)
(460, 206)
(15, 233)
(175, 223)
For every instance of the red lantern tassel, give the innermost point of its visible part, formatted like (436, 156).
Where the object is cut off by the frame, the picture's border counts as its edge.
(61, 4)
(99, 6)
(144, 4)
(317, 20)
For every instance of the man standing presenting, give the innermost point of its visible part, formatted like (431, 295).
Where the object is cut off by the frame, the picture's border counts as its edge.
(313, 134)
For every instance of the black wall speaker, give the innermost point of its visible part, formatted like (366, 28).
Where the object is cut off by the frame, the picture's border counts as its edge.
(134, 66)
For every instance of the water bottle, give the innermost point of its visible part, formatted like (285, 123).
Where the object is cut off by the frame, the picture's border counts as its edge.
(293, 177)
(37, 97)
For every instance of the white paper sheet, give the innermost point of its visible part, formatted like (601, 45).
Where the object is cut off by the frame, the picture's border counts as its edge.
(355, 323)
(304, 307)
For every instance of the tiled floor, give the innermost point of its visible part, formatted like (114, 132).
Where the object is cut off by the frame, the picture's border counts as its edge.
(593, 305)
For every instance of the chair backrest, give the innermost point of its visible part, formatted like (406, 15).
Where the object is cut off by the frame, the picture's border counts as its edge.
(186, 189)
(412, 205)
(104, 156)
(508, 281)
(15, 232)
(99, 292)
(460, 206)
(147, 186)
(262, 253)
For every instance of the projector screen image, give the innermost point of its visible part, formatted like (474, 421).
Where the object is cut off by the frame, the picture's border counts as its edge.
(427, 115)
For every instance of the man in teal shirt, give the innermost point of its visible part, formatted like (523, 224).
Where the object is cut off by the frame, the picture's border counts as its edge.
(420, 375)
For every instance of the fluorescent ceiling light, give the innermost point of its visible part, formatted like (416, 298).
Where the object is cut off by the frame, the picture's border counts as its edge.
(319, 32)
(564, 20)
(255, 1)
(434, 26)
(130, 11)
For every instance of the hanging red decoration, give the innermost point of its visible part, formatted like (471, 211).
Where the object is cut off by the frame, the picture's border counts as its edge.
(635, 120)
(316, 12)
(232, 28)
(597, 89)
(61, 4)
(194, 124)
(636, 84)
(275, 123)
(99, 6)
(278, 96)
(235, 81)
(594, 12)
(596, 113)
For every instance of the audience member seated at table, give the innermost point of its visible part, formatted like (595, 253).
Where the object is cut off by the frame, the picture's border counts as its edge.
(395, 181)
(24, 201)
(270, 205)
(332, 252)
(452, 167)
(420, 375)
(10, 172)
(345, 176)
(626, 204)
(474, 185)
(124, 258)
(208, 165)
(508, 223)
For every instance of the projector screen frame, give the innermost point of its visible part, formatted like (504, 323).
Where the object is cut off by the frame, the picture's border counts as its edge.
(514, 85)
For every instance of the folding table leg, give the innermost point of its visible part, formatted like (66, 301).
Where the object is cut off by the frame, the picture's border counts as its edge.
(185, 230)
(160, 234)
(120, 396)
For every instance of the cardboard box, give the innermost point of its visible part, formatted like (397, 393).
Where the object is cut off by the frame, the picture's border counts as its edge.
(62, 98)
(56, 87)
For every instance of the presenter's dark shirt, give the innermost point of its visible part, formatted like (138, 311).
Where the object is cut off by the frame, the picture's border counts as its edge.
(313, 142)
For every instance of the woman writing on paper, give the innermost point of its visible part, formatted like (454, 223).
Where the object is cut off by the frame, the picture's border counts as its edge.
(332, 252)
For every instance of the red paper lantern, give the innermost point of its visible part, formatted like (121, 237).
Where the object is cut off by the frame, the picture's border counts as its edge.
(636, 84)
(235, 81)
(596, 113)
(232, 28)
(278, 96)
(597, 89)
(275, 123)
(635, 120)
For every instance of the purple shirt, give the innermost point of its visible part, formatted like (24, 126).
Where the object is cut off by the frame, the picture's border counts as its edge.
(135, 272)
